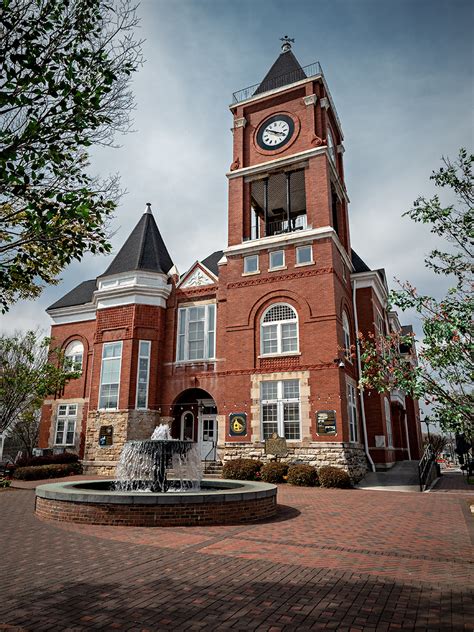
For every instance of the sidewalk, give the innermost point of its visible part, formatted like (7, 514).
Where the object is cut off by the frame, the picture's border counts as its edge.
(65, 479)
(453, 482)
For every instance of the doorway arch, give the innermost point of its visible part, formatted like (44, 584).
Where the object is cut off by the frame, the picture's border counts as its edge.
(195, 418)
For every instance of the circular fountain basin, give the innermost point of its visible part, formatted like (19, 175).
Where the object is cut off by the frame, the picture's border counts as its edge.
(96, 502)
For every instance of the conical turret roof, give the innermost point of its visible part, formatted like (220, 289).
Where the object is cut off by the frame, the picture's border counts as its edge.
(143, 250)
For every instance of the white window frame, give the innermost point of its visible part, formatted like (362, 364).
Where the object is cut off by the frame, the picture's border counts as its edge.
(279, 325)
(388, 423)
(346, 328)
(280, 402)
(147, 384)
(181, 431)
(352, 411)
(281, 265)
(71, 361)
(209, 328)
(246, 264)
(67, 418)
(101, 383)
(304, 263)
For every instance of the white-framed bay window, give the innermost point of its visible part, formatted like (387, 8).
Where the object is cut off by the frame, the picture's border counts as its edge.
(143, 373)
(279, 330)
(196, 339)
(352, 411)
(66, 419)
(110, 375)
(280, 408)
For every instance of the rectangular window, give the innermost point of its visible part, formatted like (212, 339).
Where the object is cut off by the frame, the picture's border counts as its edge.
(251, 264)
(304, 254)
(66, 424)
(143, 373)
(110, 375)
(277, 259)
(388, 423)
(352, 412)
(196, 333)
(281, 409)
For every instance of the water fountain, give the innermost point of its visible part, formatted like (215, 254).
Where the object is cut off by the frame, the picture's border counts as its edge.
(144, 495)
(143, 465)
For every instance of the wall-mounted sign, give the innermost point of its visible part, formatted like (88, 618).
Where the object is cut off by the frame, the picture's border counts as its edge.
(326, 422)
(237, 424)
(106, 436)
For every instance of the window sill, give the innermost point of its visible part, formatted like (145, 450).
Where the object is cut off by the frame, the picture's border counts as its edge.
(250, 273)
(277, 269)
(279, 355)
(187, 362)
(302, 265)
(64, 445)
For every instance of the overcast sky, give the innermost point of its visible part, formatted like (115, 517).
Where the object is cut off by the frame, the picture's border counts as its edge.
(401, 76)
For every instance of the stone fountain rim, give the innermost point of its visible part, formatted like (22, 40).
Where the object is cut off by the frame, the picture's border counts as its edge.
(233, 491)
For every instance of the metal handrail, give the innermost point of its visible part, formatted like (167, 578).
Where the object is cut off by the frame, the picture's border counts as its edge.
(306, 72)
(424, 466)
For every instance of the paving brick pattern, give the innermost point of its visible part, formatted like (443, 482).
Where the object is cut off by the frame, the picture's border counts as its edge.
(332, 560)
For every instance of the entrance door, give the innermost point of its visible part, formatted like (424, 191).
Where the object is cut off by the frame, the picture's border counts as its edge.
(208, 436)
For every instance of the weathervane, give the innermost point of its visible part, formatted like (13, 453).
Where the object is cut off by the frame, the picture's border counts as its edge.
(286, 46)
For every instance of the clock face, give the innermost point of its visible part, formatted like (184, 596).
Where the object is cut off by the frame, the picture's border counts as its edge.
(275, 132)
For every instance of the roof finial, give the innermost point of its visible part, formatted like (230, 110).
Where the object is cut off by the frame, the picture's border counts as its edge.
(286, 46)
(148, 207)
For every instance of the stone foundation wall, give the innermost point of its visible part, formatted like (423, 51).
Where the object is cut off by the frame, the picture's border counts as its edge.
(182, 514)
(347, 456)
(127, 425)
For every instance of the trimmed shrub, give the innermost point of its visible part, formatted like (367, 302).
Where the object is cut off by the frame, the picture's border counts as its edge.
(274, 472)
(4, 482)
(330, 476)
(38, 472)
(65, 457)
(242, 469)
(302, 475)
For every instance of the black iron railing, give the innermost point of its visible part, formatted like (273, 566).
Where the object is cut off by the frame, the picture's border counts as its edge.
(312, 70)
(424, 466)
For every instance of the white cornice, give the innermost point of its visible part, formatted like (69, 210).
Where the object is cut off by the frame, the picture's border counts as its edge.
(371, 279)
(72, 314)
(136, 294)
(270, 93)
(289, 239)
(276, 162)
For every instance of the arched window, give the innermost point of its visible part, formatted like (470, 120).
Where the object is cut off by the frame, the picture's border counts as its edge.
(279, 330)
(347, 335)
(187, 426)
(73, 356)
(388, 422)
(331, 145)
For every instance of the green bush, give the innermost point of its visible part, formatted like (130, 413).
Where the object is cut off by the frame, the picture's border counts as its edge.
(38, 472)
(302, 475)
(242, 469)
(330, 476)
(274, 472)
(64, 457)
(4, 482)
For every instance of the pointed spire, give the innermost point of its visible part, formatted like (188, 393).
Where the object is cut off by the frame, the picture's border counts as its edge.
(285, 70)
(143, 250)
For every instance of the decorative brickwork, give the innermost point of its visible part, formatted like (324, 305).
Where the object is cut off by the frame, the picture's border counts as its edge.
(182, 514)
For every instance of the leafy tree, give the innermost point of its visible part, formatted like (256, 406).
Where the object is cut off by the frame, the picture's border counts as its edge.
(29, 372)
(445, 369)
(65, 72)
(26, 432)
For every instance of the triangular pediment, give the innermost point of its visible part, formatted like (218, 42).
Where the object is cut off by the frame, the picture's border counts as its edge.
(197, 277)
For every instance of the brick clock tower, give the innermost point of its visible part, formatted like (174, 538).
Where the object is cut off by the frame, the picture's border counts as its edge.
(255, 340)
(285, 302)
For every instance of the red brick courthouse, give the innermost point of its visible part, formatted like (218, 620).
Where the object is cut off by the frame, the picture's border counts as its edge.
(251, 340)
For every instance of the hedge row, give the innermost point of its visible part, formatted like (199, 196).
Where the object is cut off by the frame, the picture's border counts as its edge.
(277, 472)
(64, 457)
(38, 472)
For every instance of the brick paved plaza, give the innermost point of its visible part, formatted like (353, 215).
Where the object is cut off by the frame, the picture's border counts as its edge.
(327, 562)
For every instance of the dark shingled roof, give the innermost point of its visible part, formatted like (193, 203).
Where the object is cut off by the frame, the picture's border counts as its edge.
(80, 295)
(212, 260)
(284, 71)
(143, 250)
(359, 265)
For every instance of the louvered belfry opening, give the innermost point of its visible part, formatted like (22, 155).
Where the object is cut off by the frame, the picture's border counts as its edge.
(278, 204)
